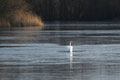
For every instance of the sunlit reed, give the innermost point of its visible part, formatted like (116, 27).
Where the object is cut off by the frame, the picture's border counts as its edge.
(21, 18)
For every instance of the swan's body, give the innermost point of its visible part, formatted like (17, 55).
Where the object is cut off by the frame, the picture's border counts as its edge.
(70, 48)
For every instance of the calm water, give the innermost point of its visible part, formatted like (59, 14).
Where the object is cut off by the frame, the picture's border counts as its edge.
(28, 53)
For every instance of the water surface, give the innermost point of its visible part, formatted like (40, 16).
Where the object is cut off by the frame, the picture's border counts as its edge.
(32, 54)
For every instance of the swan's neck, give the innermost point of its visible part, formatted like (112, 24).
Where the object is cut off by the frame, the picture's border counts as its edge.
(70, 43)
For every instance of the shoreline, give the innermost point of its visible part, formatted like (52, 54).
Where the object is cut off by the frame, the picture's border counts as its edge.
(81, 26)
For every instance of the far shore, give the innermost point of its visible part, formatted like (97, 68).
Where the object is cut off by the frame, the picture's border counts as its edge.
(82, 25)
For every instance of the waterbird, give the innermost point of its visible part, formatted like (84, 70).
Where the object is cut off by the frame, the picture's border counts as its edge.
(70, 48)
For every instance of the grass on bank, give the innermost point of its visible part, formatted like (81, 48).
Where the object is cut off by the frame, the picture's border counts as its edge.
(21, 18)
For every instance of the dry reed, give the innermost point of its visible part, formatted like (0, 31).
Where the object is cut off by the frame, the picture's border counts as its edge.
(22, 18)
(4, 23)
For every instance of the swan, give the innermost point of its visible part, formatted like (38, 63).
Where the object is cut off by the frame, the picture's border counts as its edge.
(70, 48)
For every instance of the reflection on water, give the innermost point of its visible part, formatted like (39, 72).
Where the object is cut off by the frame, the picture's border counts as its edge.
(40, 55)
(71, 64)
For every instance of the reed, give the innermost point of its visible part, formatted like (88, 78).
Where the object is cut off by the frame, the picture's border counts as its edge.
(4, 23)
(21, 18)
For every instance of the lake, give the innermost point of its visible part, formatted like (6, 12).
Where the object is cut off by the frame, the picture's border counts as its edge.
(29, 53)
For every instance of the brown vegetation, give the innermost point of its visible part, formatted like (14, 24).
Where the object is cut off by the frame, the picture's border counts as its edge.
(17, 13)
(22, 18)
(4, 23)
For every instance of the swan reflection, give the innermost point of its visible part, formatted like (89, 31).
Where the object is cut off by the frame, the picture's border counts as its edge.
(71, 60)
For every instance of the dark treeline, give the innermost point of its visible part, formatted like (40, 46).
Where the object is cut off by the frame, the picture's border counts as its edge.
(78, 10)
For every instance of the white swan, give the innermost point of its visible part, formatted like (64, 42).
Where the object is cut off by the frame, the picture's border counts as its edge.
(70, 48)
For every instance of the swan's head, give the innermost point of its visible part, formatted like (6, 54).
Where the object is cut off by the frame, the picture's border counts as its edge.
(70, 43)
